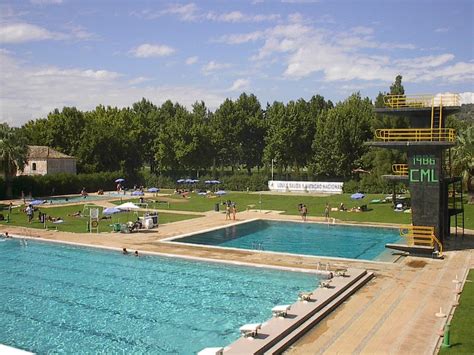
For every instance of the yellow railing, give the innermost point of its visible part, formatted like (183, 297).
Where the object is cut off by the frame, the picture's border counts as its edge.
(421, 235)
(417, 101)
(415, 134)
(400, 169)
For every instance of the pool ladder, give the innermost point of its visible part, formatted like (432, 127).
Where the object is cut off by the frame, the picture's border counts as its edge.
(257, 246)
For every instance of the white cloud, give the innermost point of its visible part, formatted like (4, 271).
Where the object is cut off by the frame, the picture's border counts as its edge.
(46, 2)
(32, 92)
(25, 32)
(138, 80)
(191, 12)
(192, 60)
(425, 62)
(467, 98)
(186, 12)
(147, 50)
(442, 30)
(306, 51)
(237, 16)
(213, 66)
(240, 38)
(240, 84)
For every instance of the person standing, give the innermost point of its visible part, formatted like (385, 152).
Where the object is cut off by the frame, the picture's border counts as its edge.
(234, 210)
(326, 212)
(227, 211)
(304, 212)
(29, 212)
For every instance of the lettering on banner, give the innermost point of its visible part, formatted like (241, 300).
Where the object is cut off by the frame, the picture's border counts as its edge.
(305, 186)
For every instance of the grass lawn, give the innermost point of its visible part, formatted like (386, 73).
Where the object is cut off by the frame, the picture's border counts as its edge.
(382, 213)
(462, 324)
(79, 224)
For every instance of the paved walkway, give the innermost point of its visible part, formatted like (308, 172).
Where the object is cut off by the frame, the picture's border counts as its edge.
(394, 313)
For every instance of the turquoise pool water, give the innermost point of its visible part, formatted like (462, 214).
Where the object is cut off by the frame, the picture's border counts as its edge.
(63, 299)
(365, 243)
(72, 199)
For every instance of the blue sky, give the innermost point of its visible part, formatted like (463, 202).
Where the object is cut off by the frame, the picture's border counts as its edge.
(83, 53)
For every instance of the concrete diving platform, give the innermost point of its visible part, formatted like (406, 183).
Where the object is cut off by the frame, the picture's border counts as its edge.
(412, 249)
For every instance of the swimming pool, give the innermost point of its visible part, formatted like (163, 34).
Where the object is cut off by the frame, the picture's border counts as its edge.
(64, 299)
(73, 199)
(366, 243)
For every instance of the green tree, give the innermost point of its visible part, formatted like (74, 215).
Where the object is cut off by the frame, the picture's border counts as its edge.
(13, 153)
(144, 130)
(397, 88)
(339, 141)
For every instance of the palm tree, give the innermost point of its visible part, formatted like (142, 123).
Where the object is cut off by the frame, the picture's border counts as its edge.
(463, 156)
(13, 153)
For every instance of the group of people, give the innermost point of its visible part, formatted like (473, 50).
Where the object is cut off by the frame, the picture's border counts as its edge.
(230, 208)
(303, 210)
(126, 252)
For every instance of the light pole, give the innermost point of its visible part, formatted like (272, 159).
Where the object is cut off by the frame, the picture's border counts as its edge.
(272, 168)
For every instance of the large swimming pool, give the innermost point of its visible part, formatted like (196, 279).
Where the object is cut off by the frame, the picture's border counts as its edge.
(64, 299)
(367, 243)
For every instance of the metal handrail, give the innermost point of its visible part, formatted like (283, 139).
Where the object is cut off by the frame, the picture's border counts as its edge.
(417, 101)
(400, 169)
(420, 232)
(416, 134)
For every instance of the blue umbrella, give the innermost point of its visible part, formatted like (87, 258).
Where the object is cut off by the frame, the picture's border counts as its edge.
(180, 181)
(120, 180)
(36, 202)
(137, 193)
(357, 196)
(220, 192)
(189, 181)
(153, 189)
(111, 210)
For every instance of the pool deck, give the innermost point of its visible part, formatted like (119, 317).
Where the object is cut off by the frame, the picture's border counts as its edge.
(393, 313)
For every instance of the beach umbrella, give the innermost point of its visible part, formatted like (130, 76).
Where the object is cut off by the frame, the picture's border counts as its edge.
(195, 181)
(189, 181)
(357, 196)
(180, 181)
(215, 182)
(137, 193)
(153, 189)
(202, 193)
(111, 210)
(120, 180)
(220, 192)
(207, 181)
(127, 206)
(36, 202)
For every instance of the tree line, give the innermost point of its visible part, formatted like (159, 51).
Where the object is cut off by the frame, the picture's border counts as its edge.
(324, 139)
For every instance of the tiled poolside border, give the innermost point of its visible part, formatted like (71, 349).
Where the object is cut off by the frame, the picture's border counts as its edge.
(279, 333)
(173, 240)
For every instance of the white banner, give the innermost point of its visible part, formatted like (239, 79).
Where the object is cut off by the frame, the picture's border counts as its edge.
(305, 186)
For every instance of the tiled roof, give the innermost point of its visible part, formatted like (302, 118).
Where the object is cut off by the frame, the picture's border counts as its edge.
(44, 152)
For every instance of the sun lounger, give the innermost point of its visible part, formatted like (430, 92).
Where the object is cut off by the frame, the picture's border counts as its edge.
(325, 284)
(341, 272)
(281, 311)
(250, 330)
(211, 351)
(305, 296)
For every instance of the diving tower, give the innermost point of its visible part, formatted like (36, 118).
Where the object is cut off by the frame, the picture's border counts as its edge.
(427, 142)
